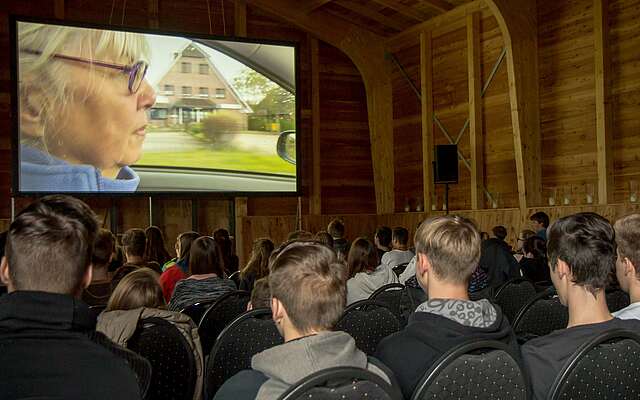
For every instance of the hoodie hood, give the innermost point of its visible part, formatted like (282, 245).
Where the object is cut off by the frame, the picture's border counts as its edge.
(296, 359)
(477, 314)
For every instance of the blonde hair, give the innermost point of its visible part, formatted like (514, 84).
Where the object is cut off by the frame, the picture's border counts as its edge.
(452, 246)
(628, 239)
(140, 288)
(39, 74)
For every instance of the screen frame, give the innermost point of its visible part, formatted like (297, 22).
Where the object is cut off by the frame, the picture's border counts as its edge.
(14, 19)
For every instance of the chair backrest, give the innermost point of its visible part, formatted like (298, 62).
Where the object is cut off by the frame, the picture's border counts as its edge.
(399, 269)
(391, 295)
(603, 368)
(617, 300)
(249, 334)
(368, 322)
(94, 311)
(342, 383)
(514, 294)
(481, 368)
(173, 365)
(195, 311)
(541, 315)
(220, 314)
(235, 277)
(97, 293)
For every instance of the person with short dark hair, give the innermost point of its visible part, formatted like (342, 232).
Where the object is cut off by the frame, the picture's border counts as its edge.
(499, 232)
(496, 259)
(324, 238)
(366, 275)
(382, 240)
(260, 295)
(206, 281)
(582, 252)
(448, 249)
(628, 263)
(534, 263)
(400, 253)
(308, 292)
(134, 243)
(48, 345)
(540, 222)
(100, 289)
(340, 244)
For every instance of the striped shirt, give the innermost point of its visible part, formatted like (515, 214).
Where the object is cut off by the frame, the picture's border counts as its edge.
(191, 291)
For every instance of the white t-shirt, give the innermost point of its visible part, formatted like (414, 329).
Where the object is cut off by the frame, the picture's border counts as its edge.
(632, 311)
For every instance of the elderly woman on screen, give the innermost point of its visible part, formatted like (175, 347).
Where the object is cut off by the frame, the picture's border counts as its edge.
(83, 101)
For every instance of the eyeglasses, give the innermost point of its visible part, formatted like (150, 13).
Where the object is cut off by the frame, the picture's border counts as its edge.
(136, 72)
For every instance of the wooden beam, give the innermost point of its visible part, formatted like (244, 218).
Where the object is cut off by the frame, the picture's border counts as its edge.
(475, 111)
(517, 21)
(58, 9)
(241, 211)
(154, 12)
(440, 5)
(315, 202)
(240, 18)
(405, 10)
(313, 5)
(426, 89)
(367, 52)
(368, 12)
(604, 118)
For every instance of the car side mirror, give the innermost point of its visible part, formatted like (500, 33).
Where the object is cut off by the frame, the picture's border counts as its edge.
(286, 146)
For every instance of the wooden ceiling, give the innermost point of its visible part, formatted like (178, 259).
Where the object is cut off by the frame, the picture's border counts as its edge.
(383, 17)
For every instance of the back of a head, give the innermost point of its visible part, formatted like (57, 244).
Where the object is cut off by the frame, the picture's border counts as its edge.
(362, 257)
(452, 246)
(300, 235)
(400, 235)
(628, 238)
(205, 257)
(325, 238)
(103, 248)
(384, 236)
(258, 264)
(3, 242)
(500, 232)
(526, 234)
(586, 242)
(310, 281)
(336, 229)
(50, 244)
(134, 242)
(186, 239)
(541, 218)
(261, 294)
(536, 246)
(154, 250)
(140, 288)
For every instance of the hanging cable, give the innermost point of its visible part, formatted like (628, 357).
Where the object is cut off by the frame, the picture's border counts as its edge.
(124, 5)
(113, 6)
(224, 23)
(209, 15)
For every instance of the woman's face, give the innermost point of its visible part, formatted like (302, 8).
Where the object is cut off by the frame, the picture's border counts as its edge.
(104, 124)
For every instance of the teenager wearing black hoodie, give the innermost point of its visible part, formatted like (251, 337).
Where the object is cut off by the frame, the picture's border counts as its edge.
(448, 249)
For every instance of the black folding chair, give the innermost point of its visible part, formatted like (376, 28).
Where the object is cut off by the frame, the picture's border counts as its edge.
(391, 295)
(512, 295)
(617, 300)
(541, 315)
(220, 314)
(368, 322)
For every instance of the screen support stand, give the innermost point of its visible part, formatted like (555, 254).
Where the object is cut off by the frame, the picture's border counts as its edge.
(13, 208)
(446, 198)
(194, 215)
(150, 211)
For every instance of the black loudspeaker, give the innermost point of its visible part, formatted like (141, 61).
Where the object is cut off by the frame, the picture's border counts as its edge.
(446, 164)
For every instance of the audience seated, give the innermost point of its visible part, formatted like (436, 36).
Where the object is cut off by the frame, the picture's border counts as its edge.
(340, 244)
(382, 240)
(258, 265)
(260, 295)
(540, 223)
(100, 289)
(154, 249)
(206, 281)
(139, 296)
(448, 249)
(582, 251)
(365, 272)
(48, 346)
(500, 232)
(308, 297)
(178, 269)
(299, 235)
(522, 237)
(324, 238)
(534, 264)
(400, 252)
(230, 260)
(628, 240)
(497, 261)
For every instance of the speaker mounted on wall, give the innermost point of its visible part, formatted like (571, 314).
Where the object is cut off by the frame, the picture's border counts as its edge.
(446, 164)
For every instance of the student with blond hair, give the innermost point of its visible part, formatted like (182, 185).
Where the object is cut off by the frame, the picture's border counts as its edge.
(83, 105)
(308, 292)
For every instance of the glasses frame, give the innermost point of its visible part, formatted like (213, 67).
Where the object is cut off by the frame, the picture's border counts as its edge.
(131, 70)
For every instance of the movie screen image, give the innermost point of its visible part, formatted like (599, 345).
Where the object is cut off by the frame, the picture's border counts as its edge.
(109, 111)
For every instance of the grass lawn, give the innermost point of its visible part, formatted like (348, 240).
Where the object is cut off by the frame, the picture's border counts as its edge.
(220, 159)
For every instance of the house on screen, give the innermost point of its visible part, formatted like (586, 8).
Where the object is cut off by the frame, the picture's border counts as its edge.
(193, 88)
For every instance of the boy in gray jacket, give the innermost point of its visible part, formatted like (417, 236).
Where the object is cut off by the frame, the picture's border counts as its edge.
(308, 292)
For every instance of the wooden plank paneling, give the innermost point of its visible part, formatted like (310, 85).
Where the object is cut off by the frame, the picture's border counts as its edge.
(426, 79)
(476, 141)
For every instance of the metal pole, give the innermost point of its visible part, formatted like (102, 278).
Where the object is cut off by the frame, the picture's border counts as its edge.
(150, 211)
(13, 208)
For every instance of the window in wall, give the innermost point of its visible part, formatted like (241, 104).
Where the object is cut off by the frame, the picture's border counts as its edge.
(204, 92)
(186, 91)
(169, 89)
(185, 67)
(203, 69)
(220, 94)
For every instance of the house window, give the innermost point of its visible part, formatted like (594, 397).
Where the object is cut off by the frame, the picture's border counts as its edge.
(203, 69)
(220, 94)
(185, 67)
(186, 91)
(204, 92)
(169, 89)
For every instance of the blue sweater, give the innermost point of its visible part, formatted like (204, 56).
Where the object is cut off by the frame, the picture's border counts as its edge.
(41, 172)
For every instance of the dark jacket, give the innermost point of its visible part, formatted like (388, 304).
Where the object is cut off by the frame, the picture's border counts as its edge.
(498, 262)
(48, 350)
(412, 351)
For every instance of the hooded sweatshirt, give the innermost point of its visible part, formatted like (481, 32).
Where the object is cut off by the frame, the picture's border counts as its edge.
(278, 368)
(363, 284)
(120, 326)
(437, 326)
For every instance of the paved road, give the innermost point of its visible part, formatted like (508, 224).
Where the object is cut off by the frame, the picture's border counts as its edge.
(158, 142)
